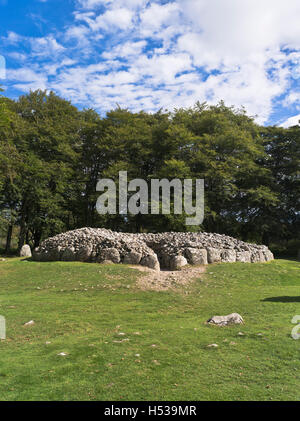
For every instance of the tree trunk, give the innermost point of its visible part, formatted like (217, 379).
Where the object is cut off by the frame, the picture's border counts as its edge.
(37, 238)
(8, 239)
(22, 233)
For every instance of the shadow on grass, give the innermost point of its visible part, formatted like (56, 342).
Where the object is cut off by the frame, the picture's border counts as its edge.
(283, 299)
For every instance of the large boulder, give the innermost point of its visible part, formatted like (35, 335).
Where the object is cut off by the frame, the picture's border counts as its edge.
(110, 254)
(132, 258)
(228, 256)
(213, 255)
(150, 261)
(233, 318)
(25, 251)
(196, 256)
(177, 262)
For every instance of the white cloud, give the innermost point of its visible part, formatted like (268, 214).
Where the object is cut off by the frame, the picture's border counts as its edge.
(91, 4)
(118, 18)
(45, 46)
(162, 68)
(78, 32)
(17, 56)
(151, 55)
(292, 121)
(12, 38)
(128, 49)
(129, 4)
(27, 79)
(292, 99)
(155, 16)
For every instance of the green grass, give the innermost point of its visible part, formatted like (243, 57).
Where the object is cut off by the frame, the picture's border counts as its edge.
(81, 309)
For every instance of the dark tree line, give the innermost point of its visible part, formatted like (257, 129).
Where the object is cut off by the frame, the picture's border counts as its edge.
(52, 155)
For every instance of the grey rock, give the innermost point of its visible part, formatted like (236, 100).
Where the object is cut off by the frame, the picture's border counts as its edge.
(233, 318)
(243, 256)
(25, 251)
(196, 256)
(258, 257)
(228, 256)
(111, 254)
(151, 262)
(269, 255)
(213, 255)
(177, 262)
(132, 258)
(30, 323)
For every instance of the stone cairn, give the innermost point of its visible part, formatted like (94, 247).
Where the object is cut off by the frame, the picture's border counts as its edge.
(169, 250)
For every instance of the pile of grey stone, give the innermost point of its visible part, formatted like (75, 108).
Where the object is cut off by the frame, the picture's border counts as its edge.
(169, 250)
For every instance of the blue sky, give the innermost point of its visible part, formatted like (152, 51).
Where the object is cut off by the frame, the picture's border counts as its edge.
(155, 54)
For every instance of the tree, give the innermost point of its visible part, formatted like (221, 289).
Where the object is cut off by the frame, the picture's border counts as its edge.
(282, 159)
(48, 144)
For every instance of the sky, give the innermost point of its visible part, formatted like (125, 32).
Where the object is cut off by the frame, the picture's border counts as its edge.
(147, 55)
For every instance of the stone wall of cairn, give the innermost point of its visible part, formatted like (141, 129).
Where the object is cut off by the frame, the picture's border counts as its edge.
(169, 250)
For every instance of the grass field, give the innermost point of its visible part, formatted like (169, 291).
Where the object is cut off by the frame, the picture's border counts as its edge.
(122, 343)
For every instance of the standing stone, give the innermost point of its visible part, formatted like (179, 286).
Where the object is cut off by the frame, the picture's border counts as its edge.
(25, 251)
(150, 261)
(196, 256)
(213, 255)
(228, 256)
(132, 258)
(177, 262)
(111, 254)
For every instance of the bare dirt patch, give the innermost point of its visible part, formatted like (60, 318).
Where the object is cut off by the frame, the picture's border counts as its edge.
(165, 280)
